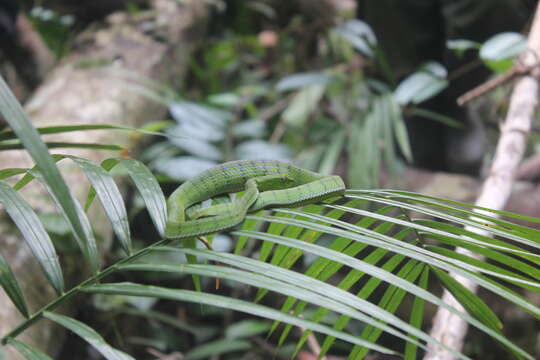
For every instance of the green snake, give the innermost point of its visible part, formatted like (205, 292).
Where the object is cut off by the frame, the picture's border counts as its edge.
(265, 184)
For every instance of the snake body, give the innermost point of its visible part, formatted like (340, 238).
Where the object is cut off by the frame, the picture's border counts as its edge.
(266, 183)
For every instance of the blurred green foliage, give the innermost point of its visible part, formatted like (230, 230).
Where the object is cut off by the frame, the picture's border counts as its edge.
(56, 29)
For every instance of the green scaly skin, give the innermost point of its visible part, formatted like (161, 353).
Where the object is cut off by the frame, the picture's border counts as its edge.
(266, 184)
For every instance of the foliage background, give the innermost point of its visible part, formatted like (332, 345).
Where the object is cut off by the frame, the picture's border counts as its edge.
(273, 81)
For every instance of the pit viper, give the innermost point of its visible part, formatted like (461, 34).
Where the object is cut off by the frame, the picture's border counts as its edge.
(265, 184)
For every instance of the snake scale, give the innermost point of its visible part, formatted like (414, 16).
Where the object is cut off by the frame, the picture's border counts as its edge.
(265, 183)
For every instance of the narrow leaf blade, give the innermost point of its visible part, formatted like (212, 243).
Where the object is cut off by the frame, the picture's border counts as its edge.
(29, 352)
(11, 287)
(34, 234)
(148, 187)
(89, 335)
(110, 198)
(228, 303)
(13, 113)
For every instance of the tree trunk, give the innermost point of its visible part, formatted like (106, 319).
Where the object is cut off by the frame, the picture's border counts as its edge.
(134, 50)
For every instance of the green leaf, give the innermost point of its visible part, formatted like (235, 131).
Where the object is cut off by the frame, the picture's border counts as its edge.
(7, 173)
(421, 85)
(302, 80)
(388, 277)
(224, 302)
(8, 135)
(110, 198)
(323, 269)
(303, 105)
(331, 155)
(87, 243)
(488, 267)
(399, 128)
(227, 99)
(148, 187)
(13, 113)
(390, 301)
(488, 253)
(34, 234)
(359, 34)
(363, 143)
(246, 328)
(431, 115)
(252, 149)
(216, 348)
(66, 145)
(89, 335)
(365, 292)
(286, 257)
(387, 109)
(498, 49)
(180, 168)
(305, 282)
(503, 228)
(262, 281)
(417, 314)
(29, 352)
(459, 46)
(242, 240)
(465, 269)
(11, 287)
(509, 228)
(389, 196)
(201, 333)
(469, 300)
